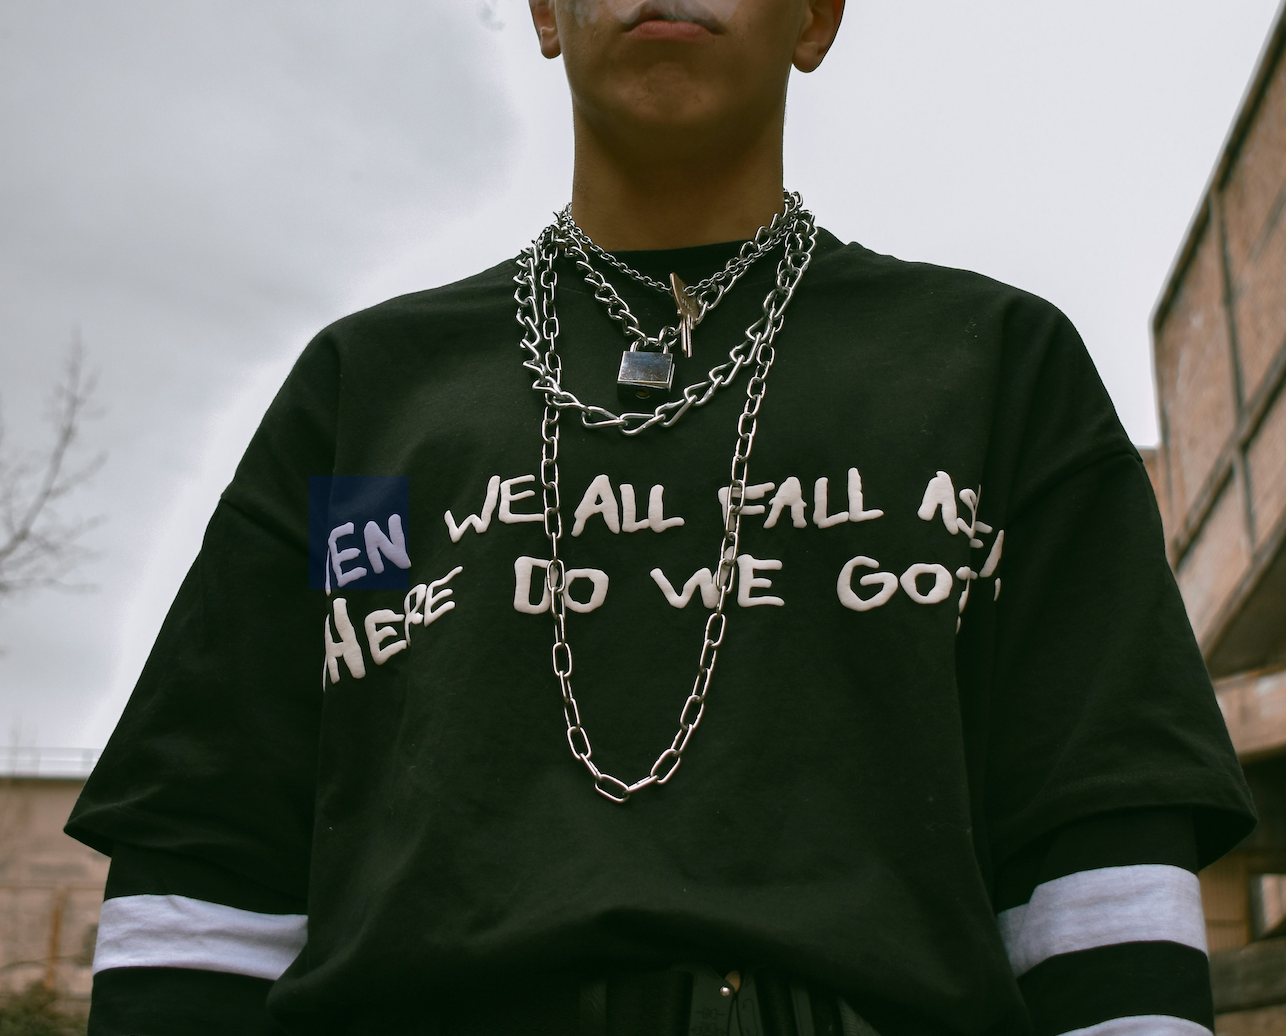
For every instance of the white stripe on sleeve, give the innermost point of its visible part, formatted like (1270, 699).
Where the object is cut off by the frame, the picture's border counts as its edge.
(1148, 902)
(1143, 1025)
(179, 932)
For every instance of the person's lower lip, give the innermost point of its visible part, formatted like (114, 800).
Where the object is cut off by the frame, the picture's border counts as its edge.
(659, 29)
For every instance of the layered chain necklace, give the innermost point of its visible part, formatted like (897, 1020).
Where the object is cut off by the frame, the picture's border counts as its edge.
(647, 366)
(537, 314)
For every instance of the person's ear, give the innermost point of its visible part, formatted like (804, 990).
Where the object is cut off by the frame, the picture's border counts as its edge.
(546, 23)
(821, 23)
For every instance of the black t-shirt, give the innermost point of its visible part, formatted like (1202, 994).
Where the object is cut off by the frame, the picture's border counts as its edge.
(988, 647)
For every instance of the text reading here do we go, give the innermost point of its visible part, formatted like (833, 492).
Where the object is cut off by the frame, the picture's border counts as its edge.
(860, 586)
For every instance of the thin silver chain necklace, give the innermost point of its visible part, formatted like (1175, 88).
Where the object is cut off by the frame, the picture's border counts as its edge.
(765, 240)
(537, 314)
(705, 294)
(648, 365)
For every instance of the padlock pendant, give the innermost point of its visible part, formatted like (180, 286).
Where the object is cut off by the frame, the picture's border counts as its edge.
(644, 375)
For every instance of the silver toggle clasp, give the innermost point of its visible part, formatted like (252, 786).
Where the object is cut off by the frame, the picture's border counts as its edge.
(689, 312)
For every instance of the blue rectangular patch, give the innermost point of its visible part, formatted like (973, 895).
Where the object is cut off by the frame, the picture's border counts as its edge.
(358, 532)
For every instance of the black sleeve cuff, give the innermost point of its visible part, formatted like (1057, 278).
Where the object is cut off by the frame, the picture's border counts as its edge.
(179, 1002)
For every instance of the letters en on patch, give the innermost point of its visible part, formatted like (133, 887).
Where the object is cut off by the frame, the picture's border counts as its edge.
(358, 535)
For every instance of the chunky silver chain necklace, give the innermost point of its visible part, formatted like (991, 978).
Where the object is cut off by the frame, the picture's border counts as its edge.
(537, 314)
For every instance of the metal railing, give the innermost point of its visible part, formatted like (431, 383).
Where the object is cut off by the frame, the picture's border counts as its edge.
(67, 763)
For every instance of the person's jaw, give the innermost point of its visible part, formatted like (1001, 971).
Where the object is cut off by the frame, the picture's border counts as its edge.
(677, 142)
(658, 73)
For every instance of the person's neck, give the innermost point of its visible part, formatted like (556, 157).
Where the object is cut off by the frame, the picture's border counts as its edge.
(676, 195)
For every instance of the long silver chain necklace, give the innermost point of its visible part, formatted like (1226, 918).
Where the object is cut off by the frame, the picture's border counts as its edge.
(537, 314)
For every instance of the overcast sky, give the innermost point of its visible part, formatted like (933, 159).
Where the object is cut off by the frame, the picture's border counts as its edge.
(199, 187)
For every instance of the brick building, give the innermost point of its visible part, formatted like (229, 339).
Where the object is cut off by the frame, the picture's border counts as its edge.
(51, 887)
(1219, 341)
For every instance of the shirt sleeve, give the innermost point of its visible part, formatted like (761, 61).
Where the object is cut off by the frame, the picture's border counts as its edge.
(214, 758)
(1098, 696)
(186, 948)
(1103, 925)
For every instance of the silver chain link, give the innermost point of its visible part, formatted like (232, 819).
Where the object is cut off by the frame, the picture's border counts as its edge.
(707, 292)
(800, 238)
(765, 240)
(537, 281)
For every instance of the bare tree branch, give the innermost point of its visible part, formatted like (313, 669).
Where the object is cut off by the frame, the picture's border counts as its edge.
(38, 547)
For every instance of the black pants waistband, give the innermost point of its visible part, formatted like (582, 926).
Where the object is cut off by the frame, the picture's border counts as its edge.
(681, 1001)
